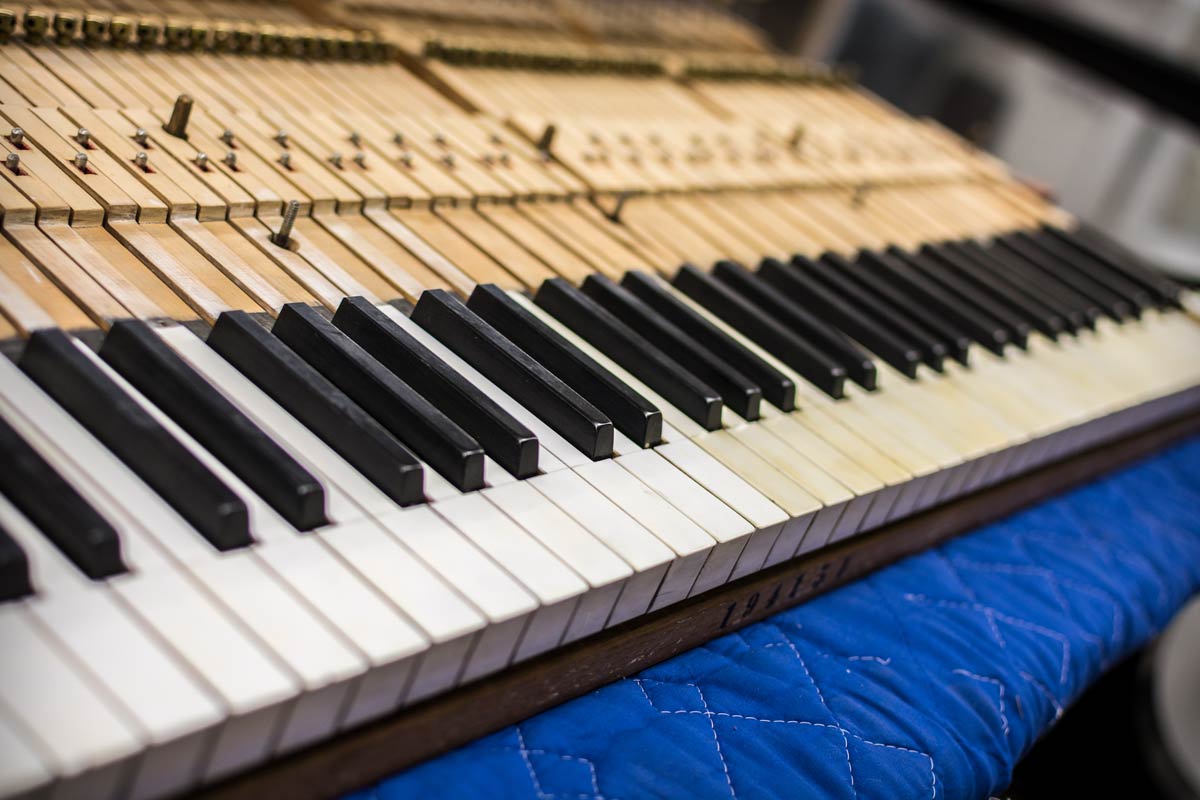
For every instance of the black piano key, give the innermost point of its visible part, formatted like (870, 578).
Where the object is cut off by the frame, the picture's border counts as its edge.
(832, 268)
(515, 372)
(1044, 319)
(739, 392)
(699, 401)
(1085, 266)
(632, 414)
(1080, 287)
(1031, 280)
(323, 408)
(957, 343)
(971, 321)
(14, 569)
(777, 388)
(1015, 325)
(56, 509)
(154, 369)
(77, 384)
(817, 333)
(1010, 276)
(393, 403)
(820, 369)
(509, 442)
(792, 280)
(1113, 258)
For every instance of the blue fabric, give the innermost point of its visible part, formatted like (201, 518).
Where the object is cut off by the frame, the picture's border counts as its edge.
(928, 679)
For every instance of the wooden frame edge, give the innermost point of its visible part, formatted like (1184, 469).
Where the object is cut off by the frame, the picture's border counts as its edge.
(355, 758)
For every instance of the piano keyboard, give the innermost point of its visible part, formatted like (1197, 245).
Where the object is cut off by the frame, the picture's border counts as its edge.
(345, 369)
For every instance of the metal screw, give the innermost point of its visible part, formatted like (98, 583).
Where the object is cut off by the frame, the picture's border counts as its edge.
(81, 160)
(17, 136)
(141, 137)
(282, 138)
(448, 160)
(83, 136)
(202, 161)
(398, 139)
(355, 139)
(406, 159)
(284, 236)
(142, 160)
(336, 160)
(13, 162)
(231, 159)
(227, 137)
(360, 158)
(285, 160)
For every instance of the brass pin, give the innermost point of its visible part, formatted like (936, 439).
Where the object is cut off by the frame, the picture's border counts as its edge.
(546, 140)
(83, 136)
(13, 162)
(141, 136)
(284, 235)
(177, 124)
(797, 138)
(615, 214)
(860, 195)
(202, 161)
(227, 137)
(231, 159)
(17, 137)
(81, 161)
(142, 160)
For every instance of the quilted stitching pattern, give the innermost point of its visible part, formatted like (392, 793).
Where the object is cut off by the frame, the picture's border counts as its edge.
(928, 679)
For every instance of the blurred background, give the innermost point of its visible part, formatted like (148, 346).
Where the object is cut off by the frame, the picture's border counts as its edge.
(1107, 154)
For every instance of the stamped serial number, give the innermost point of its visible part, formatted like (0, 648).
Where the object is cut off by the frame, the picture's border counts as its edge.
(786, 591)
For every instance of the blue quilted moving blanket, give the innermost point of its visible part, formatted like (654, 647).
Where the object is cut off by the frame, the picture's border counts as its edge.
(928, 679)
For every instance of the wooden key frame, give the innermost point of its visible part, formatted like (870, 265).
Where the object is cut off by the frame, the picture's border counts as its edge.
(357, 758)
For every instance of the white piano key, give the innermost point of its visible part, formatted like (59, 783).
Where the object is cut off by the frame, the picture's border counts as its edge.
(555, 586)
(86, 738)
(727, 527)
(388, 640)
(767, 518)
(443, 614)
(505, 603)
(255, 688)
(690, 543)
(23, 767)
(603, 570)
(644, 552)
(177, 715)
